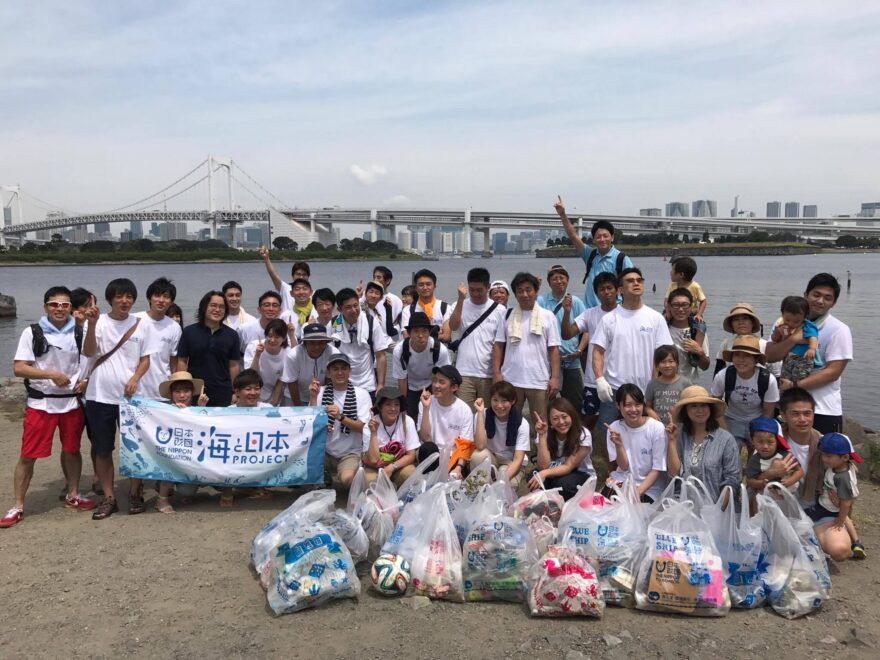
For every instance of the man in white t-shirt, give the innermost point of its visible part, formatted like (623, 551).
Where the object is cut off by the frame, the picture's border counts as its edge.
(270, 308)
(237, 316)
(624, 344)
(526, 351)
(443, 417)
(605, 288)
(50, 363)
(307, 363)
(414, 359)
(121, 345)
(474, 321)
(363, 340)
(384, 308)
(348, 409)
(835, 347)
(438, 311)
(165, 333)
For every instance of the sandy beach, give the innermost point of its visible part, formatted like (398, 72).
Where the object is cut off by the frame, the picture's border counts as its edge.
(161, 586)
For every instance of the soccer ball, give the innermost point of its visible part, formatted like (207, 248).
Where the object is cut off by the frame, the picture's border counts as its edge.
(390, 575)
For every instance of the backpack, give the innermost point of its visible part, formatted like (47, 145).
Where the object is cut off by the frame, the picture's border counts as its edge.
(41, 347)
(406, 353)
(618, 264)
(435, 329)
(730, 382)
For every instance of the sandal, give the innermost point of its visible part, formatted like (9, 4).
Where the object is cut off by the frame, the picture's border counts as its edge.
(260, 494)
(135, 504)
(105, 509)
(163, 505)
(226, 501)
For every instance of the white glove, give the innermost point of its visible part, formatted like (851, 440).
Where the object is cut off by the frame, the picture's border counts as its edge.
(606, 394)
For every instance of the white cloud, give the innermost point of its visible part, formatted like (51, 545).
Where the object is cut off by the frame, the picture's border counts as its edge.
(396, 200)
(368, 175)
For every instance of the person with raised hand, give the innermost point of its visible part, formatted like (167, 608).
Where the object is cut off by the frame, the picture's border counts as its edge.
(500, 433)
(445, 420)
(563, 450)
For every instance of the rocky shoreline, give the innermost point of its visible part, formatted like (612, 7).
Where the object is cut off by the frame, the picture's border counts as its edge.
(8, 309)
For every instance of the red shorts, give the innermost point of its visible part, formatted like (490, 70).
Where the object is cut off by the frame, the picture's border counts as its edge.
(39, 429)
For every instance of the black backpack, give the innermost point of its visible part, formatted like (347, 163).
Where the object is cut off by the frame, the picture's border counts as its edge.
(730, 382)
(618, 264)
(41, 347)
(406, 353)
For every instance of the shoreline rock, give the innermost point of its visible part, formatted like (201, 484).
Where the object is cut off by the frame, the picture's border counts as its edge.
(8, 309)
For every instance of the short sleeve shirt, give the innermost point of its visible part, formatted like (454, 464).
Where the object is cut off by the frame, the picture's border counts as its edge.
(209, 354)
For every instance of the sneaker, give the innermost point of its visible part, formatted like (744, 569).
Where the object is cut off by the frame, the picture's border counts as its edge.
(858, 551)
(12, 517)
(79, 502)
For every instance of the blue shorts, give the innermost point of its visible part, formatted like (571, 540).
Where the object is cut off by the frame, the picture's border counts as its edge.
(102, 420)
(590, 407)
(819, 514)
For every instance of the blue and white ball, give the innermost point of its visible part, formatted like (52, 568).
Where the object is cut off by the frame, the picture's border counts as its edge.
(390, 575)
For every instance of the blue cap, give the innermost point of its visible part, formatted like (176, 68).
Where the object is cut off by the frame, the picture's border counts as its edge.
(768, 425)
(839, 444)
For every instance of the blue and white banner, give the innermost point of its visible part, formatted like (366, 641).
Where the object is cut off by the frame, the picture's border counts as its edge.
(241, 447)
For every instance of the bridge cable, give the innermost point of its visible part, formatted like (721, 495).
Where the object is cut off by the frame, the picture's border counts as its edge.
(127, 206)
(282, 204)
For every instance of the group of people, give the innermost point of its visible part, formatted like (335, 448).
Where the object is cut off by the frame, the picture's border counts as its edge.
(539, 384)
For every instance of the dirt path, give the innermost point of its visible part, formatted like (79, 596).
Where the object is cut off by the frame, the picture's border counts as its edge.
(157, 586)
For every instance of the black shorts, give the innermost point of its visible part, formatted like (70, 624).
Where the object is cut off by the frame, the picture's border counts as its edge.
(102, 420)
(818, 513)
(828, 423)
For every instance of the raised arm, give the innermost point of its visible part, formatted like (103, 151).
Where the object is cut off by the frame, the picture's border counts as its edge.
(270, 269)
(576, 240)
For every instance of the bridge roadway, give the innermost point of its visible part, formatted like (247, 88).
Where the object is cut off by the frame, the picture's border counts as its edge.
(827, 228)
(59, 222)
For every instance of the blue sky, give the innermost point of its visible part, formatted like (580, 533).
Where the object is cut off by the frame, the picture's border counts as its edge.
(490, 105)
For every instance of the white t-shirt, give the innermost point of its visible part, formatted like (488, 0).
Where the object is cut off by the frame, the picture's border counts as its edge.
(238, 320)
(437, 315)
(300, 368)
(63, 356)
(629, 338)
(745, 404)
(418, 370)
(403, 430)
(474, 355)
(645, 448)
(497, 444)
(107, 382)
(588, 321)
(271, 370)
(835, 343)
(254, 330)
(341, 444)
(527, 363)
(585, 441)
(165, 336)
(363, 362)
(449, 422)
(379, 313)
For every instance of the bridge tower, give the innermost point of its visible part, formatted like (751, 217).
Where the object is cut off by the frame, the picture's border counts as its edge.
(10, 195)
(216, 164)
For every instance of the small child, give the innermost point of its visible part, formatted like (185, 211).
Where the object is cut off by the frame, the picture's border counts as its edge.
(804, 356)
(684, 269)
(770, 446)
(837, 455)
(663, 392)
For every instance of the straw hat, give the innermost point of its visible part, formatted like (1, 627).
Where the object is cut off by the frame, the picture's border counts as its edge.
(180, 377)
(698, 394)
(745, 344)
(741, 309)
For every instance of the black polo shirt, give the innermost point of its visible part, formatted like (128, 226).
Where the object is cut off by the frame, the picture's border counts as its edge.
(209, 354)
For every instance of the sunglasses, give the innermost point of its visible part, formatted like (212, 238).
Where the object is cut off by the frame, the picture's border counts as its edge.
(54, 304)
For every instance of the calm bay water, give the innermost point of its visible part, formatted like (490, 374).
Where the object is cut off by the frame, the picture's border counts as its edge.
(763, 281)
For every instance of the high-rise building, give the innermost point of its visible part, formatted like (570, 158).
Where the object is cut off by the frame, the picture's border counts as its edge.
(102, 228)
(136, 227)
(774, 209)
(792, 209)
(811, 211)
(677, 210)
(420, 241)
(478, 242)
(154, 229)
(704, 208)
(125, 236)
(652, 212)
(499, 240)
(870, 210)
(174, 231)
(385, 233)
(404, 239)
(447, 242)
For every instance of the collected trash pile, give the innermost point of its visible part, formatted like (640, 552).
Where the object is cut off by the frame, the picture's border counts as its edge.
(473, 540)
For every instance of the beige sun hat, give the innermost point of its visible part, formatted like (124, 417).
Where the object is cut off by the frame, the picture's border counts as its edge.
(745, 344)
(181, 377)
(698, 394)
(741, 309)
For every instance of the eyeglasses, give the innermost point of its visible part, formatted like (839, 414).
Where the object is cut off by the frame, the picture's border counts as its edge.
(54, 304)
(216, 306)
(634, 280)
(683, 305)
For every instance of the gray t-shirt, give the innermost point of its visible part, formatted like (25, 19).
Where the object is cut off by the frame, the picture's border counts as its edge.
(663, 396)
(844, 484)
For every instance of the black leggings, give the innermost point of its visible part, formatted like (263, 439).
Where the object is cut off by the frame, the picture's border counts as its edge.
(569, 483)
(424, 451)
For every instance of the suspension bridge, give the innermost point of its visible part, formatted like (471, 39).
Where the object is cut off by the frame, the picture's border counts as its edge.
(221, 195)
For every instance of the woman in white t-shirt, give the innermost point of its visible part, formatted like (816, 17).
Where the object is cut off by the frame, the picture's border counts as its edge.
(636, 446)
(267, 357)
(393, 440)
(563, 451)
(500, 433)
